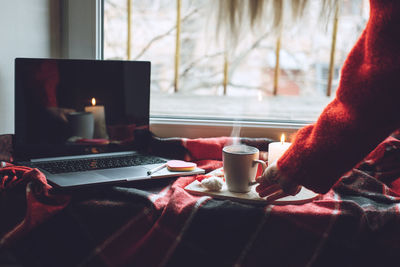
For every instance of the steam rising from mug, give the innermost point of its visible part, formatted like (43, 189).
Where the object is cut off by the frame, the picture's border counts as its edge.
(235, 134)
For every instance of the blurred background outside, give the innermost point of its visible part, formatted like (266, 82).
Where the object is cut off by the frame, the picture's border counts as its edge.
(207, 82)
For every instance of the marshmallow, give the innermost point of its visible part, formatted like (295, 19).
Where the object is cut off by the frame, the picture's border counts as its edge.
(212, 183)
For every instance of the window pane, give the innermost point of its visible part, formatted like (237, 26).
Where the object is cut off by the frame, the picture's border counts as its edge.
(304, 60)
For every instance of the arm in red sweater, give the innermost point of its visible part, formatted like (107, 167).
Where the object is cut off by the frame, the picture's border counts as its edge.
(365, 111)
(44, 81)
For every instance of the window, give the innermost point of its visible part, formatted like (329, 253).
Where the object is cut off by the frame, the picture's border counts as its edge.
(195, 78)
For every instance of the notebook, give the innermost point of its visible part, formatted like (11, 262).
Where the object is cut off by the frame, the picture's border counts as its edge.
(82, 122)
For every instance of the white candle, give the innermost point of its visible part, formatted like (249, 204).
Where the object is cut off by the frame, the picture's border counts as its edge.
(276, 149)
(100, 130)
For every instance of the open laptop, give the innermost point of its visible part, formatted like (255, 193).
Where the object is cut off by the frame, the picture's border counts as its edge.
(73, 140)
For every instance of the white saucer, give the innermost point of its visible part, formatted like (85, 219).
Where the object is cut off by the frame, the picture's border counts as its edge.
(305, 195)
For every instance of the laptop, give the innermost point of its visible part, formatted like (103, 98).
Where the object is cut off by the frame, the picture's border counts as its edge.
(83, 122)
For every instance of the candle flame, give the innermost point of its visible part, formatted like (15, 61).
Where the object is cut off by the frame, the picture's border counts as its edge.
(93, 101)
(283, 138)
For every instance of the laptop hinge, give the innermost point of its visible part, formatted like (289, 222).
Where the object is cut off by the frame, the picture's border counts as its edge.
(113, 154)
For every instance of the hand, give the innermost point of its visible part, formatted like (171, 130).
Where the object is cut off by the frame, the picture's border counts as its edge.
(274, 184)
(59, 113)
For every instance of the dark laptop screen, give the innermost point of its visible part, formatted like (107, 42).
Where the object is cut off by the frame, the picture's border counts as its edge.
(71, 107)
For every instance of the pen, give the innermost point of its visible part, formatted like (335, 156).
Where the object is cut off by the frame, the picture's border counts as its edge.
(157, 168)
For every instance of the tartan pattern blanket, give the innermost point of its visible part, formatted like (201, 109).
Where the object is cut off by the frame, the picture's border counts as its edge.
(357, 223)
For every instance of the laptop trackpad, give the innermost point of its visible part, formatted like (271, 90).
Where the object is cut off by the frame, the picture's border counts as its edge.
(77, 178)
(124, 173)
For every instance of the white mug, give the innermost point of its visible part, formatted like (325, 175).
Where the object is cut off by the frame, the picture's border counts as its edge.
(240, 167)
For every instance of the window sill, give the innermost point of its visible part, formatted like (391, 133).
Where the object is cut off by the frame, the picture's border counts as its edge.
(197, 128)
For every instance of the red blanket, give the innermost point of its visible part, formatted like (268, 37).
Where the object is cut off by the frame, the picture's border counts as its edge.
(356, 223)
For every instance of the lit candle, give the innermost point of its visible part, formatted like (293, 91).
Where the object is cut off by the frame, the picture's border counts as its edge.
(100, 130)
(276, 149)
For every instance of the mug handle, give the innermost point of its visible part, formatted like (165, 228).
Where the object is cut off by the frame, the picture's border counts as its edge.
(263, 165)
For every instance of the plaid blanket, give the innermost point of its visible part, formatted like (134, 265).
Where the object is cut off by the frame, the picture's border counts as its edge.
(357, 223)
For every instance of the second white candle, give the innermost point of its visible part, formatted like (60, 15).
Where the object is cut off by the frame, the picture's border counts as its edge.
(277, 149)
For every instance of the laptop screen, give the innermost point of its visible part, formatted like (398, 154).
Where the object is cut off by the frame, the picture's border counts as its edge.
(75, 107)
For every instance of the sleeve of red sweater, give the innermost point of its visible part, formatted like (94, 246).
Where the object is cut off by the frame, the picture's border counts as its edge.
(44, 83)
(365, 111)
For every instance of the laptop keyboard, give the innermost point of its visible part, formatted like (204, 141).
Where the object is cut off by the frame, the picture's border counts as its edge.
(78, 165)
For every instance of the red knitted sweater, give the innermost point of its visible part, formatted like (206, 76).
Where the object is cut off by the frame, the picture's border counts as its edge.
(365, 111)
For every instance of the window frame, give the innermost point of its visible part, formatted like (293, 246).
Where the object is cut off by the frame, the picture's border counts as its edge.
(82, 29)
(198, 128)
(81, 19)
